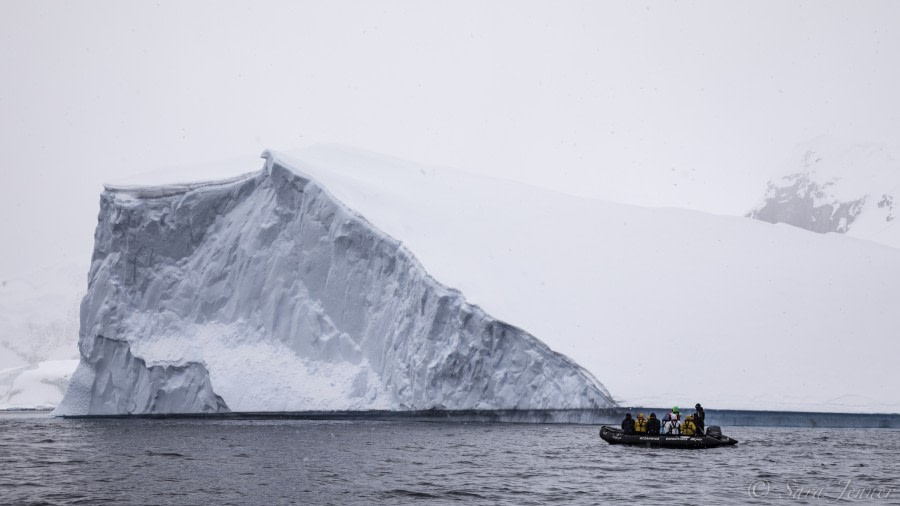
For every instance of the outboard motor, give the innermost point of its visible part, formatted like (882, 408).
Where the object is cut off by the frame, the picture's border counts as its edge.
(714, 431)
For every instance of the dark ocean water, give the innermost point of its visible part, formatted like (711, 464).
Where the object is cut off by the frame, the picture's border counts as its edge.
(192, 461)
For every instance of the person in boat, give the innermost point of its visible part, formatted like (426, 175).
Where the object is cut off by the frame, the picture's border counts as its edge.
(628, 424)
(689, 428)
(653, 425)
(673, 416)
(673, 422)
(673, 428)
(699, 417)
(640, 425)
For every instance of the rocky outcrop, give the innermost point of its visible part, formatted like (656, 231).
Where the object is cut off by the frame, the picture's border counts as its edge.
(800, 201)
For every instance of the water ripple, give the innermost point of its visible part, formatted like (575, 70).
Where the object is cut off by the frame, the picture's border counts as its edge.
(185, 461)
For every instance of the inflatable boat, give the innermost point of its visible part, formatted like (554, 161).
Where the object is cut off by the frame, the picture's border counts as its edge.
(712, 439)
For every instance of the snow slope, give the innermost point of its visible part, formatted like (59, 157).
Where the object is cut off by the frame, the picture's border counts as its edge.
(35, 386)
(663, 305)
(38, 335)
(832, 187)
(39, 315)
(263, 293)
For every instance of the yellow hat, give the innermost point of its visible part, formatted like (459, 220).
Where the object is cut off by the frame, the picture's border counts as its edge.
(640, 415)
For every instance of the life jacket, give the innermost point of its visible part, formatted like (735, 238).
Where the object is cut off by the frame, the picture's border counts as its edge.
(688, 428)
(673, 427)
(640, 425)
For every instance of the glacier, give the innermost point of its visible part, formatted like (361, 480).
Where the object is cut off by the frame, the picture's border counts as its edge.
(264, 292)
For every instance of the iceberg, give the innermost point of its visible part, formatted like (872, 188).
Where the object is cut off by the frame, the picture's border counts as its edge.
(264, 292)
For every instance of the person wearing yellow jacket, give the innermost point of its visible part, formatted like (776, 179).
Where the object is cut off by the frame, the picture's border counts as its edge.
(689, 428)
(640, 425)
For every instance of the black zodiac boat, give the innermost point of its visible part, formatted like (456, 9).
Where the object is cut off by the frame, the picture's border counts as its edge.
(712, 439)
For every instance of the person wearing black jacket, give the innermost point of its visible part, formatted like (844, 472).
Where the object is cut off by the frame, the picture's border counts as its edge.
(699, 418)
(653, 425)
(628, 424)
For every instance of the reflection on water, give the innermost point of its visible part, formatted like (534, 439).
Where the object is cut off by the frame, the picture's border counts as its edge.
(311, 462)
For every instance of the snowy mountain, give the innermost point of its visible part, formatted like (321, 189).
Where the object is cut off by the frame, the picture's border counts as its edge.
(853, 190)
(265, 293)
(241, 281)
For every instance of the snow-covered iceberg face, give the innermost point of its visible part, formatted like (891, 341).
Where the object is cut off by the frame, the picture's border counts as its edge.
(264, 293)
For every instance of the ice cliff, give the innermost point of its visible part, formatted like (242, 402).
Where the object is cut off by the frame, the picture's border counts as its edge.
(265, 293)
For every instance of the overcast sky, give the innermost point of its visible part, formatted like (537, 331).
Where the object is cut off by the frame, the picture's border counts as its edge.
(662, 103)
